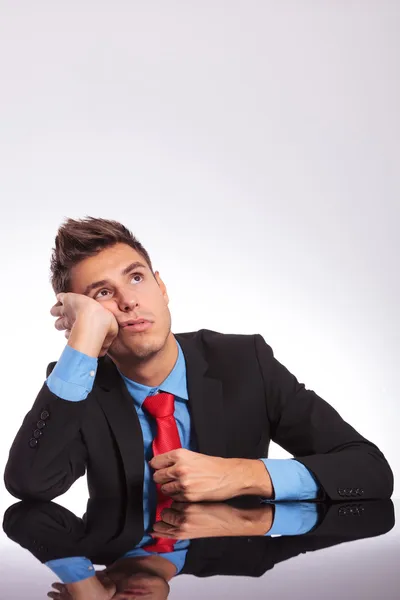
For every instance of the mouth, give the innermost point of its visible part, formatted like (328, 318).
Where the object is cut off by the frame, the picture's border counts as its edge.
(138, 326)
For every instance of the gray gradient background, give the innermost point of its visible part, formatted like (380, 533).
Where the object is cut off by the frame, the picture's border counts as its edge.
(251, 146)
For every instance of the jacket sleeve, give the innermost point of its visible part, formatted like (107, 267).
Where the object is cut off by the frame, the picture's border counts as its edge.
(48, 453)
(345, 464)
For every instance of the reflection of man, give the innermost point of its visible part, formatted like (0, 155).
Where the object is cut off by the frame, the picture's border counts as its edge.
(71, 546)
(229, 398)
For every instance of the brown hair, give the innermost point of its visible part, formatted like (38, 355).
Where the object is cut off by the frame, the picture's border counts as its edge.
(77, 239)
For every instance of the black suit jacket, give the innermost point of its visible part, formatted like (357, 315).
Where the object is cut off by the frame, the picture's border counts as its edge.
(50, 531)
(240, 398)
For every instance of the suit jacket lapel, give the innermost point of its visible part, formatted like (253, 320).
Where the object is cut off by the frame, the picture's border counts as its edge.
(119, 409)
(205, 399)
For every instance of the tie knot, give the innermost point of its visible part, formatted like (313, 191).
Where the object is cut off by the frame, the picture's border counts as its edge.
(160, 405)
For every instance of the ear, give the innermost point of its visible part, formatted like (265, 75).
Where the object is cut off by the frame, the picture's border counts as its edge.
(162, 286)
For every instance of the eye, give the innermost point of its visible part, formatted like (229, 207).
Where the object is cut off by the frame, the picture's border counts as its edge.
(140, 275)
(105, 289)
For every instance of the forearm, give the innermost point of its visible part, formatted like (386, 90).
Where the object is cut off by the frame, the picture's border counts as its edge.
(46, 466)
(87, 589)
(344, 463)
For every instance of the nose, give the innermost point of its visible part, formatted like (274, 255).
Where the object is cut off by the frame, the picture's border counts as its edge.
(127, 301)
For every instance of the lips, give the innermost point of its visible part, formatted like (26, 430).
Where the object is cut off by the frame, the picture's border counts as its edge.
(143, 326)
(134, 322)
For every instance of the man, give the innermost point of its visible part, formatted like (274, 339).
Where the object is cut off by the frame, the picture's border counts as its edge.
(228, 397)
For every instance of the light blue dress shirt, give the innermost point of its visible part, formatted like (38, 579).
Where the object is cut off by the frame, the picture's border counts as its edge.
(72, 379)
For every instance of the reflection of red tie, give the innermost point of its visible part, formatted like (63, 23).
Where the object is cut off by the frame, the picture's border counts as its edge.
(161, 406)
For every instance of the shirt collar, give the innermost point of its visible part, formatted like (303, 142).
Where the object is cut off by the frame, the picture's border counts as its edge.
(174, 383)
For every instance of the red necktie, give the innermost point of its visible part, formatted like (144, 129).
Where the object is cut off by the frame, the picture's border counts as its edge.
(161, 406)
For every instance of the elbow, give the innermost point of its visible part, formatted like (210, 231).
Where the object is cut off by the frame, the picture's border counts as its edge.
(384, 478)
(23, 489)
(388, 485)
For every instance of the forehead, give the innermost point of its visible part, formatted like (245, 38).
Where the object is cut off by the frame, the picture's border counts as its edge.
(108, 263)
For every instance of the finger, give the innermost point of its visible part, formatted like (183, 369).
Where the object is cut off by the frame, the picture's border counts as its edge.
(67, 333)
(161, 461)
(58, 585)
(57, 309)
(172, 488)
(173, 517)
(163, 529)
(169, 536)
(62, 323)
(165, 475)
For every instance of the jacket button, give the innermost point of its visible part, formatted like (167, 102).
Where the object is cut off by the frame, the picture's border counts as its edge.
(33, 442)
(37, 433)
(44, 415)
(40, 424)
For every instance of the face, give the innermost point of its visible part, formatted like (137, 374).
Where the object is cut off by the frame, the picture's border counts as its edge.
(135, 294)
(145, 586)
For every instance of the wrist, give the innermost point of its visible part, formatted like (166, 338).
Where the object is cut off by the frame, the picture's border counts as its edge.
(86, 588)
(259, 520)
(253, 478)
(88, 334)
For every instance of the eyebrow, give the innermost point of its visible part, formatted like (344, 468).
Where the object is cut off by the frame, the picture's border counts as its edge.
(127, 270)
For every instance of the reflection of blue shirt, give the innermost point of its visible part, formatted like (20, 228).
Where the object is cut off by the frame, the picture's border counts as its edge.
(72, 379)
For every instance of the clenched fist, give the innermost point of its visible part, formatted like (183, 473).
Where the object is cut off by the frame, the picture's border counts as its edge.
(193, 477)
(92, 326)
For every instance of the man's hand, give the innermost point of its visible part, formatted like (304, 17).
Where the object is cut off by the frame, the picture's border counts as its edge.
(90, 327)
(99, 587)
(186, 521)
(193, 477)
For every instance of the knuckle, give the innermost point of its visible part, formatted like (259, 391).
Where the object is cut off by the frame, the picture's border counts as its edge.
(176, 520)
(179, 471)
(185, 485)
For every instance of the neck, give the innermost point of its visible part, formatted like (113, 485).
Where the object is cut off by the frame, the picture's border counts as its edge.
(152, 370)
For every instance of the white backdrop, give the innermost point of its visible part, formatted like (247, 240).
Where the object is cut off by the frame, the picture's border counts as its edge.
(251, 146)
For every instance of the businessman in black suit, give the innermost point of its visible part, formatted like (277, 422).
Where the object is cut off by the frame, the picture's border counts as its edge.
(232, 397)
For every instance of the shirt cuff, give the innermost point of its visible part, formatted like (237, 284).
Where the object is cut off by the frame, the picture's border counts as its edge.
(72, 568)
(291, 480)
(295, 518)
(73, 376)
